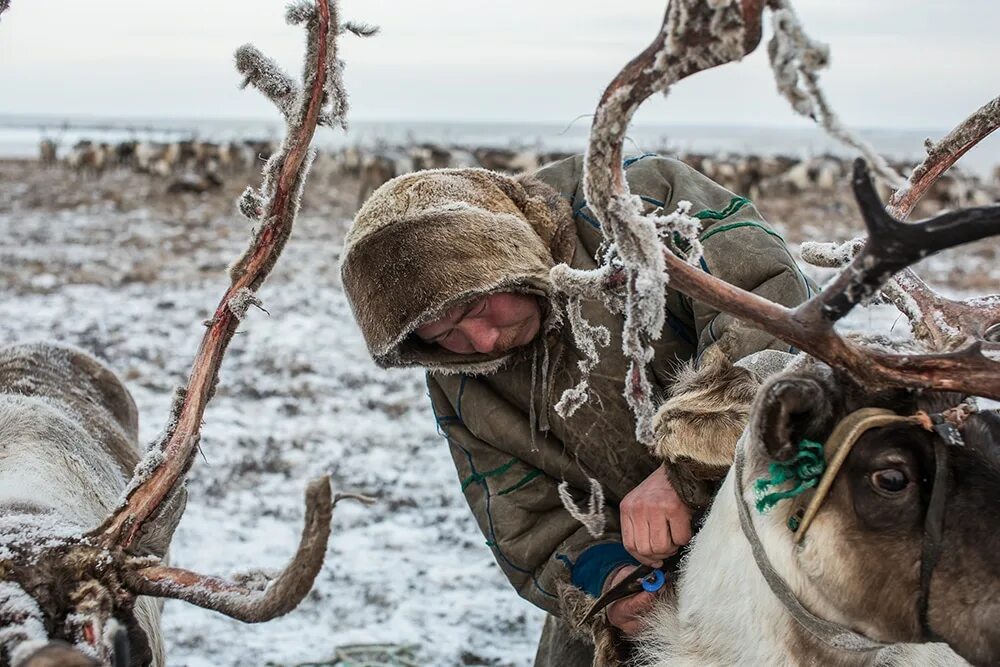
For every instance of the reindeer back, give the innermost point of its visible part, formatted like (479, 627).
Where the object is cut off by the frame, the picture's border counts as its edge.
(68, 429)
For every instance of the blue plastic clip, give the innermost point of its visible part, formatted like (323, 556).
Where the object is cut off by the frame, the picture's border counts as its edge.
(654, 581)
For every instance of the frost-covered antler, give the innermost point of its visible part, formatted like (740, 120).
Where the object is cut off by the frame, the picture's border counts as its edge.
(320, 99)
(86, 588)
(275, 205)
(697, 35)
(941, 323)
(796, 61)
(892, 245)
(241, 600)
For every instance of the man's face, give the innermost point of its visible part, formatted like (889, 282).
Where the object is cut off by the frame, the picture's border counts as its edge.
(490, 324)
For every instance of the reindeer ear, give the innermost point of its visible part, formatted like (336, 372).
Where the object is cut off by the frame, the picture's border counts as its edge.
(790, 408)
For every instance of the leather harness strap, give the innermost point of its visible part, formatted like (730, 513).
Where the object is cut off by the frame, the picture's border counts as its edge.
(933, 533)
(845, 435)
(832, 634)
(837, 448)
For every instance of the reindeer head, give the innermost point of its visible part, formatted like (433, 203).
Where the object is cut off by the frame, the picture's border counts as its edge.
(893, 540)
(867, 561)
(866, 552)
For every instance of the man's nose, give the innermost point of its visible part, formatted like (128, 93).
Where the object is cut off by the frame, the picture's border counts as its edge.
(482, 336)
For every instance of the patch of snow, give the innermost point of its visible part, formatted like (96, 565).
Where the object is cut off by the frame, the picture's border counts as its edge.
(298, 397)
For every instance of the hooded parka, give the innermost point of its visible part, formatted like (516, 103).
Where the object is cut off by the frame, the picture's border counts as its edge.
(427, 241)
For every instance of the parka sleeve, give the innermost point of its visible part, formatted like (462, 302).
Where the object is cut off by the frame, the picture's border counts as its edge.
(739, 248)
(742, 250)
(535, 541)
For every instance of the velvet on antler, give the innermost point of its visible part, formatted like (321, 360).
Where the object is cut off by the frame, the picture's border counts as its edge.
(319, 100)
(941, 323)
(698, 35)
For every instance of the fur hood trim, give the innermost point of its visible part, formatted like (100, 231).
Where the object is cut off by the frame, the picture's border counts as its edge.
(428, 241)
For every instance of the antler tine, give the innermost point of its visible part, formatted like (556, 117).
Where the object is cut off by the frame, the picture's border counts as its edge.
(241, 601)
(694, 36)
(942, 155)
(893, 245)
(806, 327)
(940, 320)
(810, 327)
(159, 476)
(944, 324)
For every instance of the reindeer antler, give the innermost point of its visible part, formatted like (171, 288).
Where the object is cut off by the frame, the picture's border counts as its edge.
(278, 596)
(320, 100)
(161, 472)
(696, 36)
(944, 324)
(942, 155)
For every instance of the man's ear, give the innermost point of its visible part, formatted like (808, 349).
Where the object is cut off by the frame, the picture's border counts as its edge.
(790, 408)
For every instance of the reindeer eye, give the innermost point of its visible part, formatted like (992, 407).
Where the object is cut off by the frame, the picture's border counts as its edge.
(890, 480)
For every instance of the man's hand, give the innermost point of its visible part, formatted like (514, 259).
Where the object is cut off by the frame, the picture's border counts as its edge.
(626, 614)
(655, 521)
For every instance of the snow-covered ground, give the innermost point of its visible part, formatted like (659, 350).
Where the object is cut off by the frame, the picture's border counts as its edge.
(298, 397)
(117, 268)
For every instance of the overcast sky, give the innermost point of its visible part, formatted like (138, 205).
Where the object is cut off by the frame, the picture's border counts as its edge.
(903, 63)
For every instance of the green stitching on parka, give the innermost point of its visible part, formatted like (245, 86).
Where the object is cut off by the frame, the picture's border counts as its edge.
(481, 476)
(521, 482)
(734, 225)
(735, 204)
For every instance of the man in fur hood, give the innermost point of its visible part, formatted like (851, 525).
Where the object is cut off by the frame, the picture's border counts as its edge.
(449, 270)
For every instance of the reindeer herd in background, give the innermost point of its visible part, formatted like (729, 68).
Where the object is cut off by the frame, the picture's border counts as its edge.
(902, 544)
(194, 165)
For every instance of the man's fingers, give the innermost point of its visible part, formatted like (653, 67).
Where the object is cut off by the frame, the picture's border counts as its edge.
(633, 537)
(660, 542)
(680, 531)
(645, 552)
(628, 535)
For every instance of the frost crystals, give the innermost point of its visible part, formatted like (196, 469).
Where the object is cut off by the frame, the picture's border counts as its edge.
(241, 301)
(796, 60)
(22, 629)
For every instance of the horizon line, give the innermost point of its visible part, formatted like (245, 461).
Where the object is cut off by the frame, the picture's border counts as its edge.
(26, 120)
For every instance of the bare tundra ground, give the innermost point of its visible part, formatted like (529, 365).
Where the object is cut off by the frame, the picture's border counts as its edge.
(120, 268)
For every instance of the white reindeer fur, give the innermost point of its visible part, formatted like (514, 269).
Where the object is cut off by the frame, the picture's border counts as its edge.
(724, 612)
(56, 478)
(48, 461)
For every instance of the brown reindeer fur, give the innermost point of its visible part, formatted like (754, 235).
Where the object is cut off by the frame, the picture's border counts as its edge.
(610, 648)
(698, 425)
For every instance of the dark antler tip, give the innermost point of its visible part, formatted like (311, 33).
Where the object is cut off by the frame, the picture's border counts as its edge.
(861, 169)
